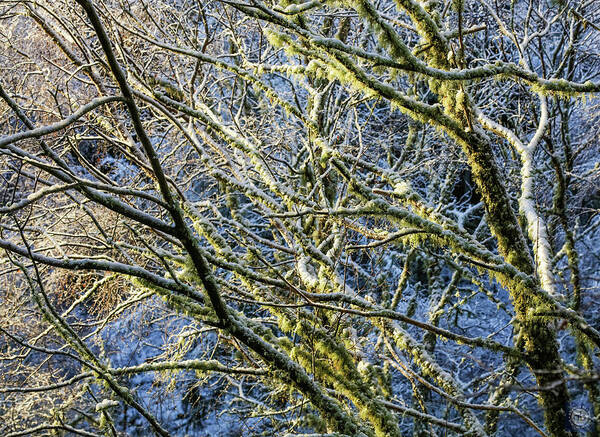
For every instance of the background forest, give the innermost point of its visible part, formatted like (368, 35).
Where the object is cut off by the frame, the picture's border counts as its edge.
(344, 218)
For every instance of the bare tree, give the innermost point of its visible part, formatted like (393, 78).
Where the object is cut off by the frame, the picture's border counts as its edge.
(353, 218)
